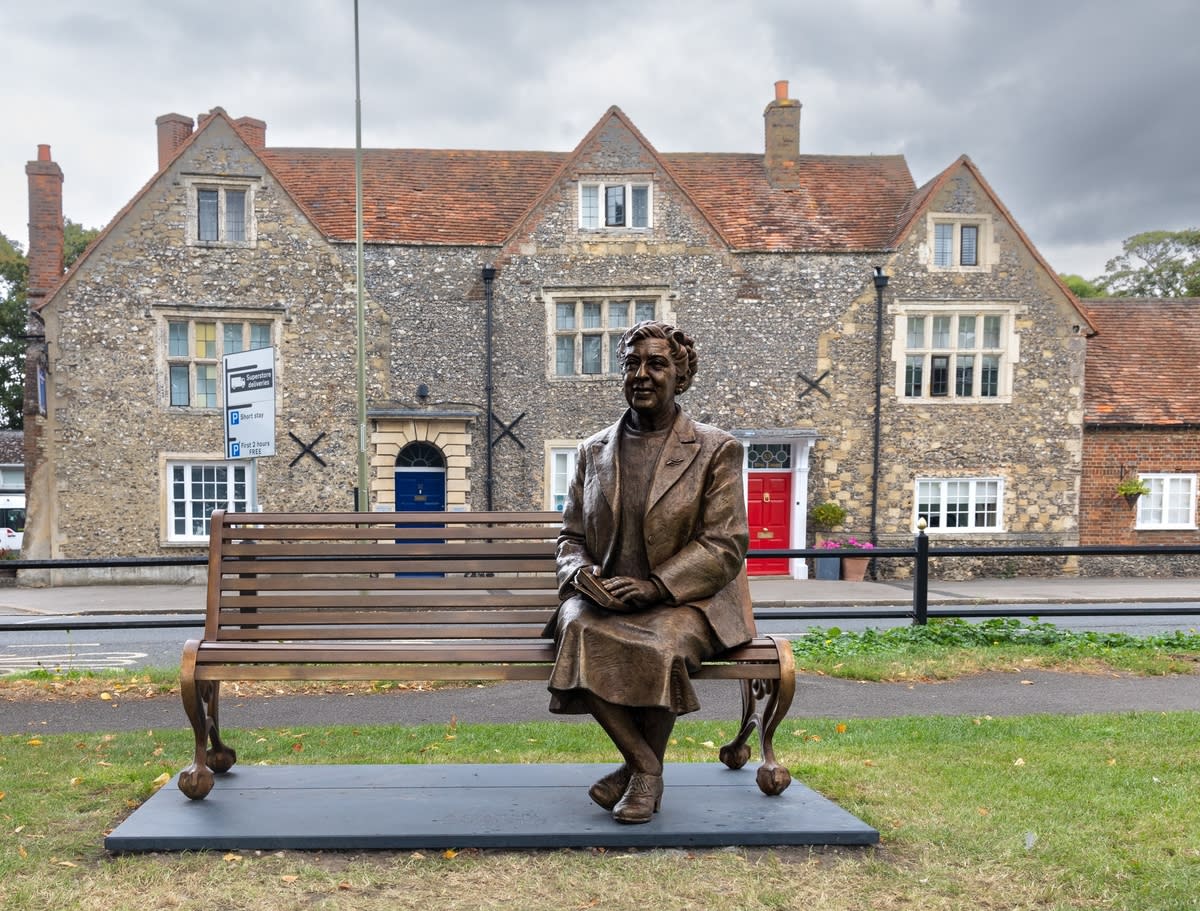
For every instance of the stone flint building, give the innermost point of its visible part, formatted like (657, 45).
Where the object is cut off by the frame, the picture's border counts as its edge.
(903, 351)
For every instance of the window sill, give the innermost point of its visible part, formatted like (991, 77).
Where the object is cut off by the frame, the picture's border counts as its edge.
(952, 400)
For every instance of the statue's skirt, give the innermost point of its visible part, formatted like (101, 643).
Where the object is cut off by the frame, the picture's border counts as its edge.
(641, 659)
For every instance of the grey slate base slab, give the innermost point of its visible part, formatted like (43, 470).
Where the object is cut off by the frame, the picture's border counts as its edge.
(386, 807)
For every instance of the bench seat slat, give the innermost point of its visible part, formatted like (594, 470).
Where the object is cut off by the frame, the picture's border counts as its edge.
(399, 620)
(541, 650)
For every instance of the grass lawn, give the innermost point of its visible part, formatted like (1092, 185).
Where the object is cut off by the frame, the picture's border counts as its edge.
(1033, 812)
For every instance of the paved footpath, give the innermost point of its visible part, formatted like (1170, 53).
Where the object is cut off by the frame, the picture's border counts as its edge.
(997, 694)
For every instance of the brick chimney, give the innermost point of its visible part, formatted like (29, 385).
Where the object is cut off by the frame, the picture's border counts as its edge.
(45, 226)
(254, 131)
(173, 131)
(782, 126)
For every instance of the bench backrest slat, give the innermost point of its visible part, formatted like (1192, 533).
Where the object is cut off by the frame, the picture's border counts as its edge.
(324, 576)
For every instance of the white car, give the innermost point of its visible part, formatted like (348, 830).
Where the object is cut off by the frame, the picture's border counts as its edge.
(12, 521)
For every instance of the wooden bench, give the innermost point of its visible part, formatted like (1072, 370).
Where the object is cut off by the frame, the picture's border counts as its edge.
(408, 596)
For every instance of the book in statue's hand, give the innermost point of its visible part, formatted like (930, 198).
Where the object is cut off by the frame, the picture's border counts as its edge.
(589, 586)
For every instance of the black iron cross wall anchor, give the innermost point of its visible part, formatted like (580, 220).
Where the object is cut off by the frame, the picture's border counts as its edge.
(812, 385)
(307, 449)
(507, 430)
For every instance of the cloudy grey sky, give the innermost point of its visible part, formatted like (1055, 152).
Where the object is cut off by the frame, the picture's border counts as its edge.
(1082, 114)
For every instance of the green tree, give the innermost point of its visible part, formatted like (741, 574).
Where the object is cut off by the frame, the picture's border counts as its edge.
(1080, 286)
(13, 273)
(14, 276)
(1155, 264)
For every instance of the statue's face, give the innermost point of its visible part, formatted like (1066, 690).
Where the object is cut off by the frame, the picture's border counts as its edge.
(651, 378)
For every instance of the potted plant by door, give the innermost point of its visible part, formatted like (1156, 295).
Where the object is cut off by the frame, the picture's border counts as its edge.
(825, 517)
(854, 559)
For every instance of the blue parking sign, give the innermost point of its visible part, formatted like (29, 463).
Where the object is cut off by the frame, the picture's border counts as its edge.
(235, 450)
(234, 417)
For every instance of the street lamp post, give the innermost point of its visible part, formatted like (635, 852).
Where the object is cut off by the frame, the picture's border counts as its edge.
(881, 282)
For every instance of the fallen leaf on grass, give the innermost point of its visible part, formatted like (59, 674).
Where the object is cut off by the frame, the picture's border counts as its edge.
(161, 780)
(345, 886)
(841, 729)
(106, 697)
(1019, 761)
(289, 878)
(232, 858)
(983, 811)
(708, 744)
(33, 743)
(449, 854)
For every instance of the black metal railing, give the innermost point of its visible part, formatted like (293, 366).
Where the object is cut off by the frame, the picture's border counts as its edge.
(921, 553)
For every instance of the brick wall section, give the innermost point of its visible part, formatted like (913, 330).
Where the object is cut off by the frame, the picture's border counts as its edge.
(1106, 518)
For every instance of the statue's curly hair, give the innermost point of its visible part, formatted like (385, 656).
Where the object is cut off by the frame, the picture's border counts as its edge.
(683, 348)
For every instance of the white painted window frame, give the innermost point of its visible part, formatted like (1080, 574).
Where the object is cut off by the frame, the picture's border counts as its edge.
(1181, 517)
(1009, 351)
(986, 251)
(188, 464)
(974, 490)
(600, 186)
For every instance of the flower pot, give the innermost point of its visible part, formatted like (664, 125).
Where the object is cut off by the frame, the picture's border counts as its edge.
(854, 568)
(828, 568)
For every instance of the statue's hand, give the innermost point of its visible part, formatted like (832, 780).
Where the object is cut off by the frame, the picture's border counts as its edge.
(636, 593)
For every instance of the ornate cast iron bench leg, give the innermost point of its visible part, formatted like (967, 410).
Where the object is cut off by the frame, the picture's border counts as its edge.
(773, 778)
(201, 702)
(765, 703)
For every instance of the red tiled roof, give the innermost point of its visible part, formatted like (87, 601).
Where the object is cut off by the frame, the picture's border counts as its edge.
(416, 196)
(830, 202)
(1143, 365)
(426, 196)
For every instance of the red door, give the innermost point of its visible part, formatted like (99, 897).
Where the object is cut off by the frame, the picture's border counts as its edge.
(768, 508)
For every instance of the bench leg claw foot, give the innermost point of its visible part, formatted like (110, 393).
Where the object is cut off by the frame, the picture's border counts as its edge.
(735, 755)
(196, 782)
(773, 780)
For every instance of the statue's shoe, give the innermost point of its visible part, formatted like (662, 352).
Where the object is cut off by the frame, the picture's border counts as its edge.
(609, 789)
(641, 799)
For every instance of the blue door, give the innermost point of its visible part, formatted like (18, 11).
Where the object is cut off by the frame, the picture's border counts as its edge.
(420, 483)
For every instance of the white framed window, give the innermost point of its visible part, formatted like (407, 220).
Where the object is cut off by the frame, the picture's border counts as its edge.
(1171, 502)
(947, 353)
(960, 243)
(221, 212)
(196, 488)
(956, 505)
(560, 469)
(585, 330)
(614, 204)
(194, 347)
